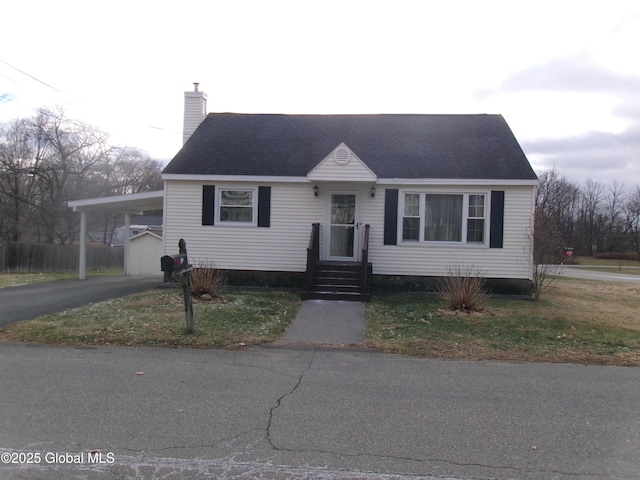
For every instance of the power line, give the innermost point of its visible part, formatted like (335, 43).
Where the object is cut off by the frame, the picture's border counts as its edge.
(67, 95)
(34, 78)
(164, 129)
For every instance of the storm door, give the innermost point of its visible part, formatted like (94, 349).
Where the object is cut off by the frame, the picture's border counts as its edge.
(343, 226)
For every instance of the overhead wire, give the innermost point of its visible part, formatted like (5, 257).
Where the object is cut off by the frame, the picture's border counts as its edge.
(34, 78)
(64, 93)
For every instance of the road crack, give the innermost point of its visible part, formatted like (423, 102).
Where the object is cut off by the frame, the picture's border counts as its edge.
(281, 398)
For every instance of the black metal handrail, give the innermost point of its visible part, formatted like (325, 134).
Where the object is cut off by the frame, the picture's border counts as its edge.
(365, 258)
(313, 252)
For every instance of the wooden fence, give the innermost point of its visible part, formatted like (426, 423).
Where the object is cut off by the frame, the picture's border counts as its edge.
(41, 257)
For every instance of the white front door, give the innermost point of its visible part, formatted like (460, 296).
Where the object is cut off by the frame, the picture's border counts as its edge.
(342, 232)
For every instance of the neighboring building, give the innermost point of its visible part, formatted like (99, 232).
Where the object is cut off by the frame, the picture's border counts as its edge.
(437, 191)
(145, 250)
(139, 224)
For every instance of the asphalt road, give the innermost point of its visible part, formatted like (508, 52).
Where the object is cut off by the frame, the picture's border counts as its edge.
(31, 301)
(302, 413)
(581, 272)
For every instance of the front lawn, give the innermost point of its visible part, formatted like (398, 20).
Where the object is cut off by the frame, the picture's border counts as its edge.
(156, 317)
(577, 321)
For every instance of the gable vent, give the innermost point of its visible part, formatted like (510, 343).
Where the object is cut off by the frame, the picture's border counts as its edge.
(342, 156)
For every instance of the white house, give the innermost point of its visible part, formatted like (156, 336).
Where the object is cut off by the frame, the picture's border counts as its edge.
(396, 199)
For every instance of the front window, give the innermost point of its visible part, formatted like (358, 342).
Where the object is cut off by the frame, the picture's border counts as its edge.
(443, 217)
(411, 217)
(475, 219)
(236, 206)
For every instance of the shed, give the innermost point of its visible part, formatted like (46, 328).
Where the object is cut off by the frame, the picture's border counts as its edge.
(145, 250)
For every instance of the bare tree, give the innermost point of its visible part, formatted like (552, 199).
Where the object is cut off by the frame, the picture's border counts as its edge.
(17, 180)
(632, 219)
(614, 234)
(50, 159)
(589, 219)
(557, 199)
(70, 152)
(547, 253)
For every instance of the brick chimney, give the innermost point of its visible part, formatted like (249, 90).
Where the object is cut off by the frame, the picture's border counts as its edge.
(195, 109)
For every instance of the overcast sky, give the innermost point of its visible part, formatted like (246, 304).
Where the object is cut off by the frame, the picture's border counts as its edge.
(565, 74)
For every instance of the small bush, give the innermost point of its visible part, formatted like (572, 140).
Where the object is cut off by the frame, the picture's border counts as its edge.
(206, 279)
(463, 289)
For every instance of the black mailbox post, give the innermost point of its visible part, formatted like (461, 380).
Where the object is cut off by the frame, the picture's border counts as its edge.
(177, 267)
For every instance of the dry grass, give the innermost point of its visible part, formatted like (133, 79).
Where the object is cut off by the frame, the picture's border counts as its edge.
(612, 304)
(157, 318)
(19, 279)
(577, 322)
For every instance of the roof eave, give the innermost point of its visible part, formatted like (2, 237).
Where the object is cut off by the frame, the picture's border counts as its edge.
(379, 181)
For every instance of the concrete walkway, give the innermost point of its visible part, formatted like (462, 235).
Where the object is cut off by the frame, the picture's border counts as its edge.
(327, 322)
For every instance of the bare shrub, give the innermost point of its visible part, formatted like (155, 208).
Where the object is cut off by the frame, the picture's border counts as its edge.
(207, 279)
(463, 289)
(547, 252)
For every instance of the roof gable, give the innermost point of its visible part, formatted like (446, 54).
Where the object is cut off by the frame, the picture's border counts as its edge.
(342, 164)
(146, 233)
(391, 146)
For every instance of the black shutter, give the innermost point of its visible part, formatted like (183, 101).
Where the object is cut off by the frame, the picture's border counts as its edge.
(391, 216)
(496, 227)
(264, 206)
(208, 204)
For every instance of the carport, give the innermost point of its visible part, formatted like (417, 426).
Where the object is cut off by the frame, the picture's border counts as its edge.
(134, 204)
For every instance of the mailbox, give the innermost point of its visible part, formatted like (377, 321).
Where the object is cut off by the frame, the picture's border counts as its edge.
(166, 264)
(174, 263)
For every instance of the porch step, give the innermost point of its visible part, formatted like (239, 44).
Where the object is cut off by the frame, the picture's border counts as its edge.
(338, 281)
(349, 297)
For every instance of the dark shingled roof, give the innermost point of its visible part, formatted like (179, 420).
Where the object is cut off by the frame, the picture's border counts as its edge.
(393, 146)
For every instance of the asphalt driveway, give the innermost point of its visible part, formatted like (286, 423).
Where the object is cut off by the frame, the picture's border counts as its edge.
(31, 301)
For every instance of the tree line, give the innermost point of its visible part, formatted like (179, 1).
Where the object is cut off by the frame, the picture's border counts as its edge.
(593, 218)
(49, 159)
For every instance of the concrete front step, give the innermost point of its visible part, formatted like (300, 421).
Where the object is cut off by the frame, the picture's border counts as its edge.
(336, 287)
(332, 295)
(337, 281)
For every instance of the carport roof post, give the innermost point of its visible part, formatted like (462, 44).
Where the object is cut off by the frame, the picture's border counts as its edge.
(134, 204)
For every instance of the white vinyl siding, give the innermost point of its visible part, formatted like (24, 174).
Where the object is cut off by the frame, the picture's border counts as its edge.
(283, 246)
